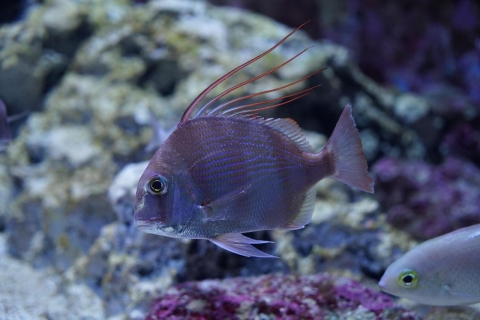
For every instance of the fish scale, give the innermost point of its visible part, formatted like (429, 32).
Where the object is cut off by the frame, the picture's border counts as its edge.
(212, 174)
(234, 162)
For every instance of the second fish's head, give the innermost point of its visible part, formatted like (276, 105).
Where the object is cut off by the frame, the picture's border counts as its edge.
(412, 277)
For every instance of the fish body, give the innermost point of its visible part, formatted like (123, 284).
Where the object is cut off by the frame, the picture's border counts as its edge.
(251, 177)
(443, 271)
(232, 175)
(228, 171)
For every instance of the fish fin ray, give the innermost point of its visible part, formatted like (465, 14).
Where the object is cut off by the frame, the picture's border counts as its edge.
(240, 244)
(240, 238)
(188, 112)
(220, 208)
(305, 214)
(346, 147)
(291, 130)
(248, 110)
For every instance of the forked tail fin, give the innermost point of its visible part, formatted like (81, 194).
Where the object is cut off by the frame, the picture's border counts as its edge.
(346, 148)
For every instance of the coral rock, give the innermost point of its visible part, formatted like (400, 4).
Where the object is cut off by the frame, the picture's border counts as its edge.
(275, 296)
(427, 200)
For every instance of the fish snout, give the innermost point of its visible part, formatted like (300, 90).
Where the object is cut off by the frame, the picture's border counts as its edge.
(382, 284)
(387, 284)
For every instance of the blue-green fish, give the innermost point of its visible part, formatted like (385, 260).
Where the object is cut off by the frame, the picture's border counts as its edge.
(225, 170)
(444, 271)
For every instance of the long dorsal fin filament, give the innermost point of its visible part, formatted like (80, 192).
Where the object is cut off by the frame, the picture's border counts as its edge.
(223, 106)
(293, 97)
(235, 87)
(189, 111)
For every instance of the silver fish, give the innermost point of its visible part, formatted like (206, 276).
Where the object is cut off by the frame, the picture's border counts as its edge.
(225, 171)
(443, 271)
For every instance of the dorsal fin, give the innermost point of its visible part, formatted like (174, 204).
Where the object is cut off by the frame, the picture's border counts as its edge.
(228, 108)
(243, 110)
(188, 112)
(290, 129)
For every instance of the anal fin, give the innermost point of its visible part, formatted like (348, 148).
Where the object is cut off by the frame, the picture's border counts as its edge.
(239, 244)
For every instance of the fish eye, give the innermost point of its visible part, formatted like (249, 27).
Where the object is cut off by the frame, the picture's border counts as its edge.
(408, 279)
(157, 185)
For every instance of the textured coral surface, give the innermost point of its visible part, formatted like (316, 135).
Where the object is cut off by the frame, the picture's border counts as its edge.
(429, 200)
(318, 296)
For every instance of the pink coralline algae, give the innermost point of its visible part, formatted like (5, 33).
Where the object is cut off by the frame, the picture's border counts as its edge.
(275, 297)
(427, 200)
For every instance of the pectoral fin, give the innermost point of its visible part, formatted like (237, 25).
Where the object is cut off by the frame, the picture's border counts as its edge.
(239, 244)
(222, 208)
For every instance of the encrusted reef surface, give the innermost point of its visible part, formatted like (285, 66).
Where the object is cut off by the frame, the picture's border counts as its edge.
(429, 200)
(319, 296)
(89, 73)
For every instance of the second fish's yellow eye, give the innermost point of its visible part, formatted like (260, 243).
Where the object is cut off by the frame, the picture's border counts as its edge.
(157, 185)
(408, 279)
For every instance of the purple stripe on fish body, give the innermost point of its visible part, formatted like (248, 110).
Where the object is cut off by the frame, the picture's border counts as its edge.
(244, 159)
(292, 181)
(224, 154)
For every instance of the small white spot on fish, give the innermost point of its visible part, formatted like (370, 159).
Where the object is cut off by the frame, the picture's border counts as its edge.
(140, 204)
(168, 229)
(476, 234)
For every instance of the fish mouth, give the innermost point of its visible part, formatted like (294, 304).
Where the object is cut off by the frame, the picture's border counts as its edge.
(141, 224)
(144, 224)
(383, 285)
